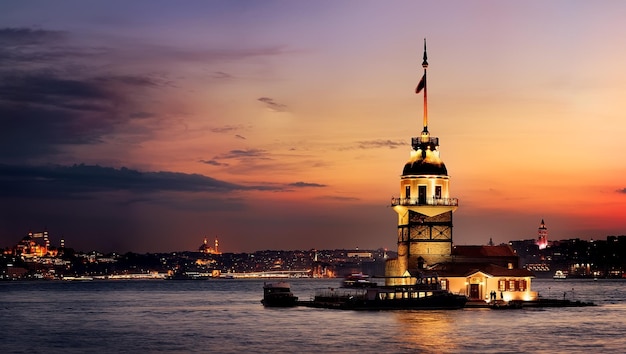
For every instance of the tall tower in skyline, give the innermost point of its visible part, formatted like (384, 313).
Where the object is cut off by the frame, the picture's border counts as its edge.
(424, 206)
(542, 236)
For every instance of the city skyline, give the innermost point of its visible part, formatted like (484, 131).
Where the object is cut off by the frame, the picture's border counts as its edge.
(149, 126)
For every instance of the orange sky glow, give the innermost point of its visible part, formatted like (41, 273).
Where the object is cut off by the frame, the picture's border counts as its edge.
(306, 110)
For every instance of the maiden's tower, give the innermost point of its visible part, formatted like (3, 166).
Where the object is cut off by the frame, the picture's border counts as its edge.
(424, 206)
(425, 247)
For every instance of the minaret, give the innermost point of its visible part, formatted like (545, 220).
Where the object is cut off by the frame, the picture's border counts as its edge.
(542, 236)
(424, 206)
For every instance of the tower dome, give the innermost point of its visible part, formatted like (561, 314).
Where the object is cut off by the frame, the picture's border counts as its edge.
(431, 164)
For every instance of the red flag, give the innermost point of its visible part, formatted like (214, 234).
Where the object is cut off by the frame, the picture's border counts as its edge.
(421, 85)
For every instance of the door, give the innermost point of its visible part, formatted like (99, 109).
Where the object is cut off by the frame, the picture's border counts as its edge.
(421, 195)
(407, 194)
(474, 291)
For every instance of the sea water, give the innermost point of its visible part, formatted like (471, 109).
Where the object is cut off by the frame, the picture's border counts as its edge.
(226, 316)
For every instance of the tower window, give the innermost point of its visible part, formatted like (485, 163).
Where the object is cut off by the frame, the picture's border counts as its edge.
(437, 192)
(407, 193)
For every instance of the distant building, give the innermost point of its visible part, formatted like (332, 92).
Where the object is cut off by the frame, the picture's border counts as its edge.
(35, 244)
(359, 254)
(206, 248)
(425, 244)
(542, 236)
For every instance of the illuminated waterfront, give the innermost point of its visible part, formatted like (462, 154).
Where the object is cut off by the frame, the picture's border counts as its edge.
(226, 316)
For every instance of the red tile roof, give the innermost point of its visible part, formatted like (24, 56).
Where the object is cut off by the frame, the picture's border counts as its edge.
(465, 269)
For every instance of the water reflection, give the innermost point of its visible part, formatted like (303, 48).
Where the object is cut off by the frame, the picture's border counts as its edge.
(428, 331)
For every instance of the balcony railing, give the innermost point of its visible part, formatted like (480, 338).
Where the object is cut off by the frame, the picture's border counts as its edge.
(427, 201)
(417, 141)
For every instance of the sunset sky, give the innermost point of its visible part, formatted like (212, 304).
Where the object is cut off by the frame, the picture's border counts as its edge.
(148, 125)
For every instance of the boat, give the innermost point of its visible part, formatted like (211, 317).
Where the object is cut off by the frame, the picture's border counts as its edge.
(357, 280)
(559, 274)
(278, 295)
(425, 294)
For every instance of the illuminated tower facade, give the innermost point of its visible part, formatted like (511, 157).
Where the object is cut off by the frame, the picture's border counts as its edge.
(424, 206)
(542, 236)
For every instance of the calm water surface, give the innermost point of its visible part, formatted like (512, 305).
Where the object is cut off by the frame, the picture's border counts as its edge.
(225, 316)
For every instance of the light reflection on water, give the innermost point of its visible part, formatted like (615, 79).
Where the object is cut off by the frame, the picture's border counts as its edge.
(226, 316)
(427, 330)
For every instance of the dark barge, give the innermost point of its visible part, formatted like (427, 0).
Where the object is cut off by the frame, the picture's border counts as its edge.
(278, 295)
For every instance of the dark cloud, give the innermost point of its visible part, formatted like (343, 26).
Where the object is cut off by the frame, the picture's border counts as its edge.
(245, 154)
(229, 129)
(621, 191)
(220, 75)
(306, 184)
(28, 36)
(22, 48)
(45, 88)
(83, 181)
(213, 163)
(226, 129)
(130, 80)
(50, 112)
(248, 156)
(380, 143)
(273, 105)
(56, 92)
(52, 97)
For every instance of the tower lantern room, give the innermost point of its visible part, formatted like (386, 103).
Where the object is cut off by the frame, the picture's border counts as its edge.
(424, 205)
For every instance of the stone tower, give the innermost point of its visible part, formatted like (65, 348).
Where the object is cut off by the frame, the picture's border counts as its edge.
(424, 206)
(542, 236)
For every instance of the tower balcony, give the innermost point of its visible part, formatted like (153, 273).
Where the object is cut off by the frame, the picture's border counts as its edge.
(424, 202)
(417, 142)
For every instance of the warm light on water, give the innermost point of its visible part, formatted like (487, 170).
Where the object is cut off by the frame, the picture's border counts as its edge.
(226, 316)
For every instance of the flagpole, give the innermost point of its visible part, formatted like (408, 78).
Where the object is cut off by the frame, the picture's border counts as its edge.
(425, 65)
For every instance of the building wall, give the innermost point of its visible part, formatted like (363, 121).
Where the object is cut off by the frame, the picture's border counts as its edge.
(391, 268)
(430, 238)
(487, 284)
(429, 181)
(396, 273)
(421, 239)
(457, 285)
